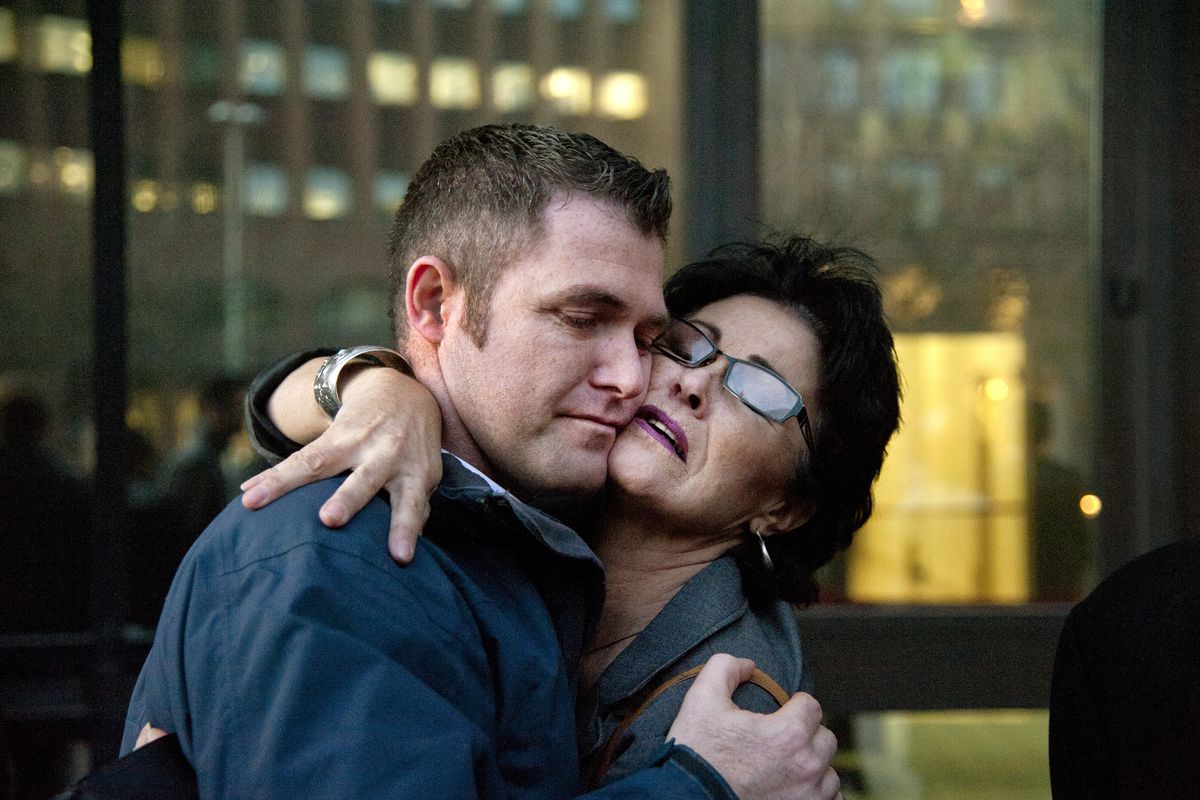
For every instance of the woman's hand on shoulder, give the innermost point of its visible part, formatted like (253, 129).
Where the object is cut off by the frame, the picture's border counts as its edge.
(388, 432)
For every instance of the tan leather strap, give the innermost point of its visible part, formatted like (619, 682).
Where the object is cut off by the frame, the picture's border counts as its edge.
(609, 754)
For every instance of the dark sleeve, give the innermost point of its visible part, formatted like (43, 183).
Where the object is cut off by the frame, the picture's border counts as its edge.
(267, 439)
(157, 771)
(676, 771)
(1079, 757)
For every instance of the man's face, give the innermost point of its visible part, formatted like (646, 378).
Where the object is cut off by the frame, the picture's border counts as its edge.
(565, 363)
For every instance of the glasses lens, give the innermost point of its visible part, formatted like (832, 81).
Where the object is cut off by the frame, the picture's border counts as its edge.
(761, 389)
(684, 343)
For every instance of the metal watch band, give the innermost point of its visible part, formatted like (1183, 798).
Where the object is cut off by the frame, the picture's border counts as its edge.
(325, 387)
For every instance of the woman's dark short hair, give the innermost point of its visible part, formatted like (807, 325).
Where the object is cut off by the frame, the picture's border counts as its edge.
(835, 291)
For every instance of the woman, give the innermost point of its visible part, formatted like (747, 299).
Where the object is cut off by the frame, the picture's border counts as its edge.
(772, 398)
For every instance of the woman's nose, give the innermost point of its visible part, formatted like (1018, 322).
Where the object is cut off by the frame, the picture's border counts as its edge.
(695, 385)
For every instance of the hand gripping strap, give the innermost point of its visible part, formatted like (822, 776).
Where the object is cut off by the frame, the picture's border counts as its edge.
(609, 754)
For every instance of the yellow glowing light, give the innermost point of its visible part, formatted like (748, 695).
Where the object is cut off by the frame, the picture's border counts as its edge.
(512, 87)
(1090, 505)
(995, 389)
(8, 35)
(623, 95)
(145, 195)
(454, 83)
(65, 45)
(569, 89)
(142, 61)
(204, 198)
(393, 78)
(973, 11)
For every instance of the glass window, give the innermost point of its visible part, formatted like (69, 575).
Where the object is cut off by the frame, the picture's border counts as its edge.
(264, 67)
(142, 61)
(912, 81)
(454, 83)
(622, 95)
(454, 5)
(201, 63)
(12, 167)
(510, 7)
(394, 78)
(567, 9)
(569, 90)
(622, 11)
(266, 190)
(512, 87)
(389, 190)
(327, 193)
(326, 73)
(840, 68)
(64, 45)
(74, 172)
(8, 35)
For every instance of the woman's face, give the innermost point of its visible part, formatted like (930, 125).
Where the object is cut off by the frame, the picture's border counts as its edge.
(728, 465)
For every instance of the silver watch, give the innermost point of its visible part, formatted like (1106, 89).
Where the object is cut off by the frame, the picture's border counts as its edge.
(325, 387)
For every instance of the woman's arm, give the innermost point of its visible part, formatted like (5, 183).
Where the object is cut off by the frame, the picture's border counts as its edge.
(388, 432)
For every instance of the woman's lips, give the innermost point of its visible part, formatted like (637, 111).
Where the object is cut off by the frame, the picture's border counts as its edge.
(665, 430)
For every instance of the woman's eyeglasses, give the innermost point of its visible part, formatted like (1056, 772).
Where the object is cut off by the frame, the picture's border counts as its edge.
(764, 391)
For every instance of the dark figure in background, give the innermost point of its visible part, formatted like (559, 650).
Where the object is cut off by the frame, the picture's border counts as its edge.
(1058, 529)
(1125, 700)
(193, 486)
(43, 526)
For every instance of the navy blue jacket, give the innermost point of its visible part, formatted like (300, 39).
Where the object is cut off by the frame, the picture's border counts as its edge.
(296, 661)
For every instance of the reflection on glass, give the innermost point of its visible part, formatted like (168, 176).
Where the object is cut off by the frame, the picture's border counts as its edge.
(264, 69)
(393, 78)
(12, 167)
(142, 61)
(326, 73)
(454, 83)
(389, 190)
(326, 193)
(569, 90)
(622, 95)
(512, 87)
(265, 189)
(64, 45)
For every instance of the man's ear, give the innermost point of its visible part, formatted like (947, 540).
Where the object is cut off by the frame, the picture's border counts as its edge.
(429, 293)
(784, 515)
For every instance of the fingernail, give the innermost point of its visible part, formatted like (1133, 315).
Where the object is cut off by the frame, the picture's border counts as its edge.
(246, 484)
(334, 514)
(256, 496)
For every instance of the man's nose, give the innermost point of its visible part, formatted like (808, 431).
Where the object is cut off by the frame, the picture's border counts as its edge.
(624, 368)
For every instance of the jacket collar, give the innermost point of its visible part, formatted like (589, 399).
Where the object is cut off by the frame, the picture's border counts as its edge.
(706, 603)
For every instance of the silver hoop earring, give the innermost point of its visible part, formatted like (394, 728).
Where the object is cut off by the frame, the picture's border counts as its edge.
(768, 564)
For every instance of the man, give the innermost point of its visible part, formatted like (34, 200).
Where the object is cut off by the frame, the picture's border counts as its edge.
(291, 662)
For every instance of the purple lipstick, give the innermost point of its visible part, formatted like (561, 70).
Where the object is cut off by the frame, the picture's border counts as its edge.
(659, 425)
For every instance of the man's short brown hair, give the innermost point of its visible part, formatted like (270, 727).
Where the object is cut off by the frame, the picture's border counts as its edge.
(479, 201)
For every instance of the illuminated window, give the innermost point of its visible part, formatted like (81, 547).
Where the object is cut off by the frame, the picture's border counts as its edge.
(567, 9)
(265, 190)
(454, 83)
(569, 90)
(512, 87)
(145, 195)
(326, 193)
(326, 73)
(64, 45)
(622, 95)
(510, 7)
(912, 81)
(623, 10)
(8, 35)
(75, 171)
(984, 88)
(393, 78)
(201, 63)
(840, 69)
(920, 184)
(264, 67)
(12, 167)
(389, 190)
(456, 5)
(142, 61)
(915, 8)
(204, 197)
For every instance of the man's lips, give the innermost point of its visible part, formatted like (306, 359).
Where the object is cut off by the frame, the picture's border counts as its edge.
(616, 423)
(661, 427)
